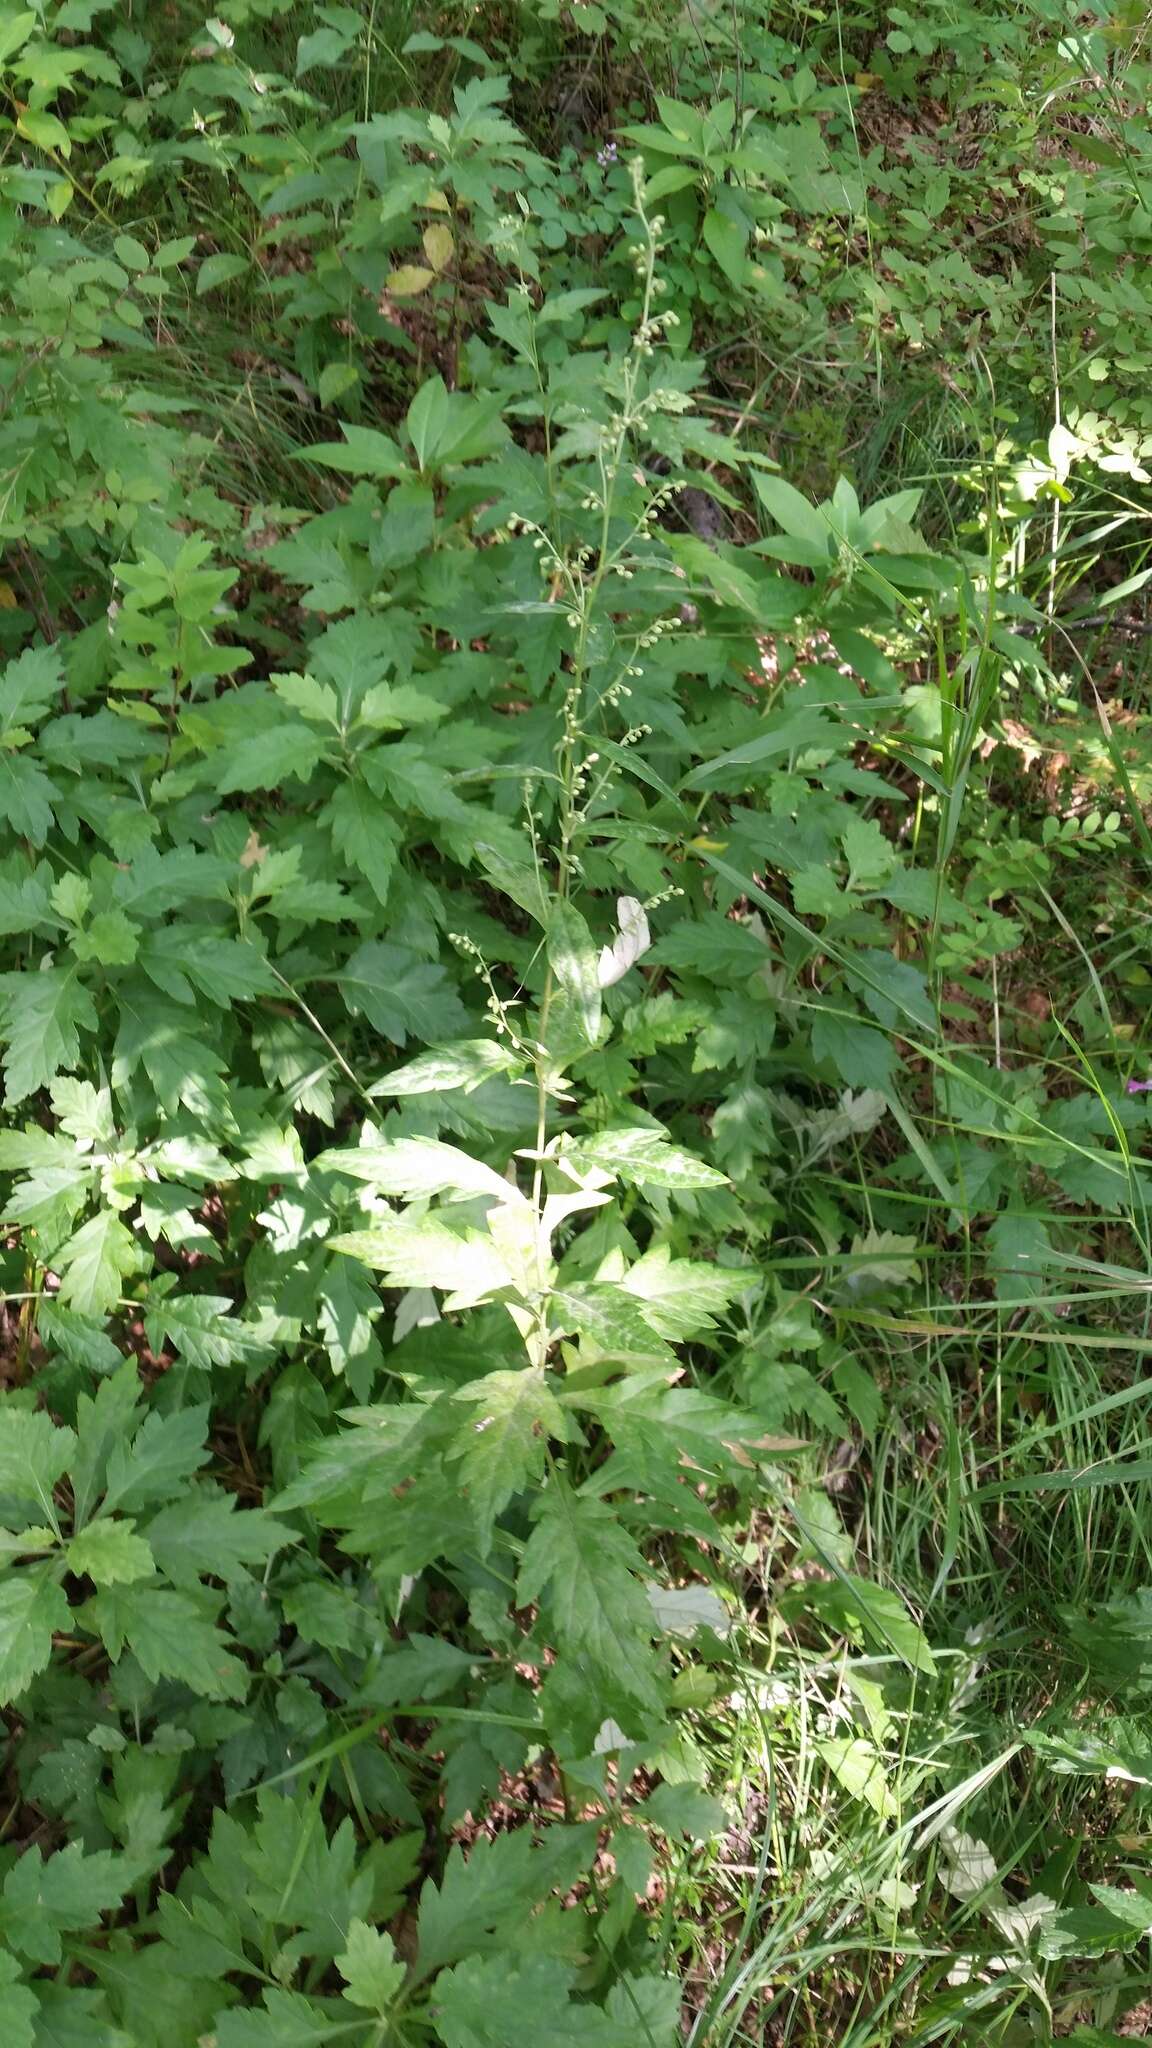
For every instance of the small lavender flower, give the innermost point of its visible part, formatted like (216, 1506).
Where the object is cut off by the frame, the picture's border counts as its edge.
(606, 157)
(1139, 1087)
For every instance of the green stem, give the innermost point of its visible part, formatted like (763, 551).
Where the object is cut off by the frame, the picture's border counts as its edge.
(584, 595)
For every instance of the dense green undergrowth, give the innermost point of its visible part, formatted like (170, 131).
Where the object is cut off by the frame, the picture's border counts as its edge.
(574, 1454)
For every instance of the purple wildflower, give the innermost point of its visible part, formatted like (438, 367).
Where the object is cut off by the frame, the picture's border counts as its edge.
(1139, 1087)
(606, 157)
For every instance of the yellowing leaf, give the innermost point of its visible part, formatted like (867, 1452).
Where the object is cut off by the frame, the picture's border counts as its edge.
(368, 1964)
(408, 280)
(334, 380)
(111, 1553)
(439, 247)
